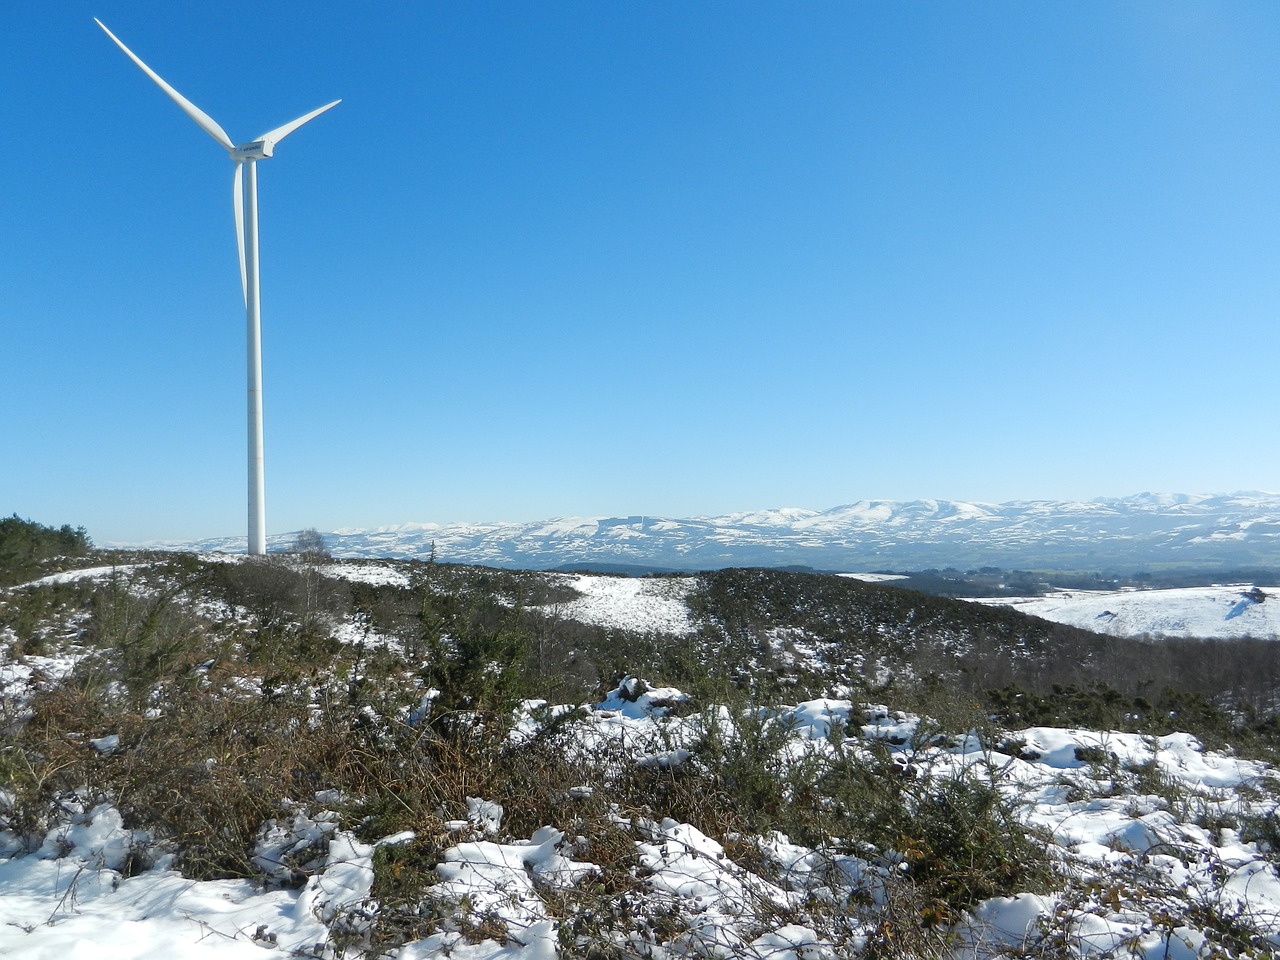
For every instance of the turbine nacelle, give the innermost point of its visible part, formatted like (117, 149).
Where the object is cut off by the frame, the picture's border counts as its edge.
(258, 150)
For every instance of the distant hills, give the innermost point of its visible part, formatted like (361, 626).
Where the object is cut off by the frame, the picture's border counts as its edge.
(1201, 531)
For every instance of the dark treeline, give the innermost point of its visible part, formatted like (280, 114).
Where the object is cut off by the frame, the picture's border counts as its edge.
(25, 545)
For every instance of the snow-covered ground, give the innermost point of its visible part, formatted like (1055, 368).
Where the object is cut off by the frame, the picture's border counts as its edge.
(85, 573)
(1218, 612)
(70, 899)
(654, 604)
(1146, 832)
(1149, 880)
(375, 574)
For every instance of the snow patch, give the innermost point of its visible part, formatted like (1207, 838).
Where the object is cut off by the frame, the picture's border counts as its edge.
(646, 605)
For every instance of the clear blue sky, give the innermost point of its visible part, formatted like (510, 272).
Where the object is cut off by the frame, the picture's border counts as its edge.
(656, 258)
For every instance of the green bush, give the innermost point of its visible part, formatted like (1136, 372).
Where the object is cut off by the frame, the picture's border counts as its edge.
(956, 839)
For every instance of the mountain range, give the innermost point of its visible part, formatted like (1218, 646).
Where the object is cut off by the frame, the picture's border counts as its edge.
(1203, 531)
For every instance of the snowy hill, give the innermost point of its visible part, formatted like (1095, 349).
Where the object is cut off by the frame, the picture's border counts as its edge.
(1129, 533)
(1221, 612)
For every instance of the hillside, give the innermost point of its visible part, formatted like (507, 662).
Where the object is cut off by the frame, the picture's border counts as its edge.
(1122, 534)
(1221, 612)
(219, 755)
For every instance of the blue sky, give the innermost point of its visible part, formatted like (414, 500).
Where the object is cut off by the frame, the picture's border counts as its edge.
(638, 258)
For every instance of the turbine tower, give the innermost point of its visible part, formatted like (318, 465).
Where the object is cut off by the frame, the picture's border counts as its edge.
(245, 202)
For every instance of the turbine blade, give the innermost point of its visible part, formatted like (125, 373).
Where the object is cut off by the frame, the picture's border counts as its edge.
(237, 200)
(206, 122)
(279, 133)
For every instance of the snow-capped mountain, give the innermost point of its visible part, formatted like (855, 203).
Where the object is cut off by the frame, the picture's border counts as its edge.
(1127, 533)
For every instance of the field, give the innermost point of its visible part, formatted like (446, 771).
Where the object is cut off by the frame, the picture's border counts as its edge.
(213, 754)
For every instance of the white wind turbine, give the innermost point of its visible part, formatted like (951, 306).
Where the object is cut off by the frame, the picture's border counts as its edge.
(244, 195)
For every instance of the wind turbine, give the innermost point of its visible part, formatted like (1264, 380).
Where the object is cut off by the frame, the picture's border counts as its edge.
(245, 201)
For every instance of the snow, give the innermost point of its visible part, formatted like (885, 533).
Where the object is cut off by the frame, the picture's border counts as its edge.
(72, 897)
(781, 517)
(21, 677)
(86, 573)
(650, 605)
(636, 700)
(1216, 612)
(505, 877)
(357, 629)
(566, 526)
(375, 574)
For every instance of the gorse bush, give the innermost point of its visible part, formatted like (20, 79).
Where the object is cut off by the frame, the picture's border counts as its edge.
(474, 651)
